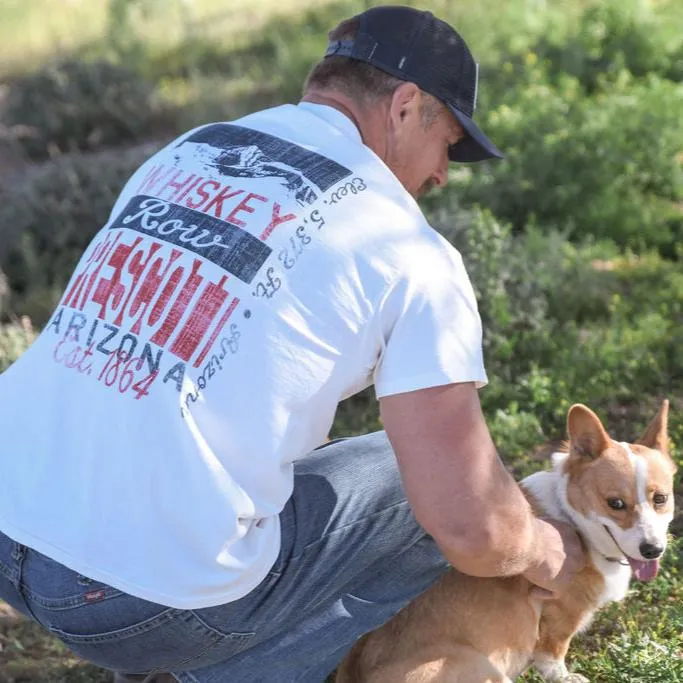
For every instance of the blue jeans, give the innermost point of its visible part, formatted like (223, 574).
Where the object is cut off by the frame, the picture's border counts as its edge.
(352, 556)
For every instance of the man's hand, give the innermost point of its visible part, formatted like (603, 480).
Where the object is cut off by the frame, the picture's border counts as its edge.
(560, 557)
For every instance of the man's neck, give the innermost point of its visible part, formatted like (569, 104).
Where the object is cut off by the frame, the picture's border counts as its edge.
(367, 122)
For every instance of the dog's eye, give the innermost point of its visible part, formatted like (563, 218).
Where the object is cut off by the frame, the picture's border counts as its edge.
(660, 498)
(616, 503)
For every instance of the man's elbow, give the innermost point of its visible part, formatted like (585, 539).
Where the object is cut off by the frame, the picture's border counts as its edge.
(483, 547)
(475, 536)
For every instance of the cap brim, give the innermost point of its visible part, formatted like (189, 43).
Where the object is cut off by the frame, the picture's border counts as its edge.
(475, 146)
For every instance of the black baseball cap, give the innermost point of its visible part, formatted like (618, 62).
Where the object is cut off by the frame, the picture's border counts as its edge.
(415, 46)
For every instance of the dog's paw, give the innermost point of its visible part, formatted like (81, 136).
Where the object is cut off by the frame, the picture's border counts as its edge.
(575, 678)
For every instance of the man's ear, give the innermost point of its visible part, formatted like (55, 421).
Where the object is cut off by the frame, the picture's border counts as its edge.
(405, 102)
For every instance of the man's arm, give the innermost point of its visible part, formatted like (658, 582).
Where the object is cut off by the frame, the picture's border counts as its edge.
(462, 494)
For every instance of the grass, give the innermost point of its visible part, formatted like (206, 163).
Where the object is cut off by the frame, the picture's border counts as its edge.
(637, 641)
(220, 58)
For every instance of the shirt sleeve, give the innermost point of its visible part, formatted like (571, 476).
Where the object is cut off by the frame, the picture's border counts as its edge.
(430, 324)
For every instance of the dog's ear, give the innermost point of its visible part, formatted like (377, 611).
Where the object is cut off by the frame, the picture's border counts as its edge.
(587, 437)
(656, 435)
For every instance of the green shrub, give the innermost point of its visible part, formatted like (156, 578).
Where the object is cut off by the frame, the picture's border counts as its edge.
(611, 36)
(48, 220)
(517, 434)
(76, 105)
(513, 303)
(566, 323)
(608, 166)
(15, 338)
(647, 282)
(356, 415)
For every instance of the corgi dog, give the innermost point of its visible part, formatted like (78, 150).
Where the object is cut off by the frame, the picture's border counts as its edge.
(618, 496)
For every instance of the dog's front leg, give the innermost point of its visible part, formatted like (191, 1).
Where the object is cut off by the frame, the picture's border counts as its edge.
(555, 670)
(560, 620)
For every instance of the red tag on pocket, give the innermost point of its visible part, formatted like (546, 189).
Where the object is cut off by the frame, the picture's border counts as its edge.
(94, 596)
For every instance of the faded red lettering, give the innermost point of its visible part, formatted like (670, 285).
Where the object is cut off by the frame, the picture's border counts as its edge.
(136, 266)
(218, 200)
(201, 316)
(165, 296)
(216, 332)
(112, 290)
(276, 220)
(162, 335)
(155, 176)
(149, 288)
(244, 206)
(95, 261)
(202, 193)
(181, 196)
(176, 185)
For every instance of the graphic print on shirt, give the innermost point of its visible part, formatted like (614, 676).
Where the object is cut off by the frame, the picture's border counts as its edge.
(245, 153)
(147, 301)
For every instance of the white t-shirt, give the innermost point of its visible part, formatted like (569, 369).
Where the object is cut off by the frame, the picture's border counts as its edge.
(251, 275)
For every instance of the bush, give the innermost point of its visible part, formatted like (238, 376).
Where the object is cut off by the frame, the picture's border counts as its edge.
(512, 301)
(612, 36)
(566, 323)
(607, 166)
(75, 105)
(48, 220)
(15, 338)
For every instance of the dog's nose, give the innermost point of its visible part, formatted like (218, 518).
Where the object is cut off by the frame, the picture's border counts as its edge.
(650, 550)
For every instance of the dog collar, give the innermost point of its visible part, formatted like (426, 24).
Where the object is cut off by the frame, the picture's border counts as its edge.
(622, 561)
(616, 560)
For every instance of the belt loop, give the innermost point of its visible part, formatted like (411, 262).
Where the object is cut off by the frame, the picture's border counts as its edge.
(18, 552)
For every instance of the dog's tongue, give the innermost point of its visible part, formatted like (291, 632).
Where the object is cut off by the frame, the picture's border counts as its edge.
(644, 570)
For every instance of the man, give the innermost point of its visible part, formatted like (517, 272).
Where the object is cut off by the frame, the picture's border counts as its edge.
(163, 505)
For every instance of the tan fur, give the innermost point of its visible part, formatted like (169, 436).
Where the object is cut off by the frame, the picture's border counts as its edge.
(441, 636)
(478, 630)
(611, 476)
(661, 468)
(562, 618)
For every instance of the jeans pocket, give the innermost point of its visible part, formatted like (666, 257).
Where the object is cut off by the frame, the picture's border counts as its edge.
(172, 639)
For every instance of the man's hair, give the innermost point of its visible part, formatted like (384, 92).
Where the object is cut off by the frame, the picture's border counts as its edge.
(361, 81)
